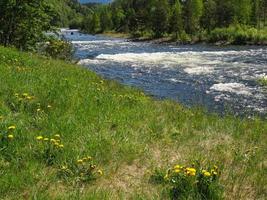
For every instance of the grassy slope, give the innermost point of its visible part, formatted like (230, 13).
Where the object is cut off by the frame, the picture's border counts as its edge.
(127, 133)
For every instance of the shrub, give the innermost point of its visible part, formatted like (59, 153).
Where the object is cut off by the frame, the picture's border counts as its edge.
(58, 49)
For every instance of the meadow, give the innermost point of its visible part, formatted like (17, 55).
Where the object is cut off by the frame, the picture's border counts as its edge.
(66, 133)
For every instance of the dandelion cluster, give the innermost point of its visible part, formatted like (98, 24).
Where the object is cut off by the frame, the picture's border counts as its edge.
(83, 170)
(8, 134)
(55, 141)
(24, 96)
(187, 180)
(179, 170)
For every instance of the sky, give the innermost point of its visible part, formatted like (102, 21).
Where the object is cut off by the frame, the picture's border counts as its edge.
(95, 1)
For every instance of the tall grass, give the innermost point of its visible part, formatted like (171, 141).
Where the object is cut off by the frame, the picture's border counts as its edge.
(127, 134)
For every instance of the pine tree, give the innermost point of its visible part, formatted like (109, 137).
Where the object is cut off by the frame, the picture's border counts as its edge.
(193, 13)
(176, 21)
(160, 18)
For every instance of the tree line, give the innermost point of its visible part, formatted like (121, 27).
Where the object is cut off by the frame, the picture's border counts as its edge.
(176, 17)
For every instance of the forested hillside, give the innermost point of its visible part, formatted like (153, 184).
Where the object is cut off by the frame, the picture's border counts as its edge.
(180, 18)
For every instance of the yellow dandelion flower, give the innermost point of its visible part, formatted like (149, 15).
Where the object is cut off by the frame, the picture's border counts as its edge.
(100, 172)
(89, 158)
(39, 137)
(190, 171)
(93, 166)
(57, 136)
(25, 94)
(29, 97)
(84, 159)
(11, 128)
(61, 146)
(10, 136)
(214, 173)
(52, 140)
(56, 144)
(207, 174)
(49, 106)
(38, 109)
(46, 139)
(80, 161)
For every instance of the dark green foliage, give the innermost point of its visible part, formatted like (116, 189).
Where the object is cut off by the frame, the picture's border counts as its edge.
(176, 21)
(185, 20)
(23, 23)
(58, 49)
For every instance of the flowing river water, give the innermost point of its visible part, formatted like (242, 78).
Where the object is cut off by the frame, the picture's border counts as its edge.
(222, 79)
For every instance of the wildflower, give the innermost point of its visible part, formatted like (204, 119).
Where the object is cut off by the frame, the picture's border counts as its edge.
(11, 128)
(79, 161)
(39, 138)
(57, 136)
(190, 171)
(213, 172)
(207, 174)
(177, 167)
(89, 158)
(61, 146)
(25, 94)
(52, 140)
(92, 166)
(10, 136)
(38, 109)
(49, 106)
(100, 172)
(177, 171)
(46, 139)
(16, 95)
(56, 144)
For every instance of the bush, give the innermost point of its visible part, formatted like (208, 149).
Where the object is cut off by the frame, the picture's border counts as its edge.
(58, 49)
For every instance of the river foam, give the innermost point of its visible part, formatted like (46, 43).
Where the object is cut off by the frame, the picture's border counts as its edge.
(236, 88)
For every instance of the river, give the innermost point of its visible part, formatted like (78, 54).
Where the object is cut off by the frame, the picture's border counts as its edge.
(220, 79)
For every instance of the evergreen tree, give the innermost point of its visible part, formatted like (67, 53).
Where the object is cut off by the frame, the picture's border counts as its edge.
(105, 20)
(193, 13)
(208, 20)
(242, 11)
(176, 21)
(160, 18)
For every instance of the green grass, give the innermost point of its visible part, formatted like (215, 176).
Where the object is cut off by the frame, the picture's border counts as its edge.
(128, 134)
(239, 35)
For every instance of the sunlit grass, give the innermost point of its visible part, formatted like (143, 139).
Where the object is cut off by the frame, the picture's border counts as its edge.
(127, 134)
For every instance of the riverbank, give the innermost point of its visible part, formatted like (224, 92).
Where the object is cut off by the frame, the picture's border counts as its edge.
(127, 134)
(233, 35)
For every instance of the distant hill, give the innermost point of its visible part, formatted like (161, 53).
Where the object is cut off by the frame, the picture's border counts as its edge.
(95, 1)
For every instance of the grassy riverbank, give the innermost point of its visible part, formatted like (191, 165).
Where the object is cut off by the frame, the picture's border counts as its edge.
(127, 134)
(233, 35)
